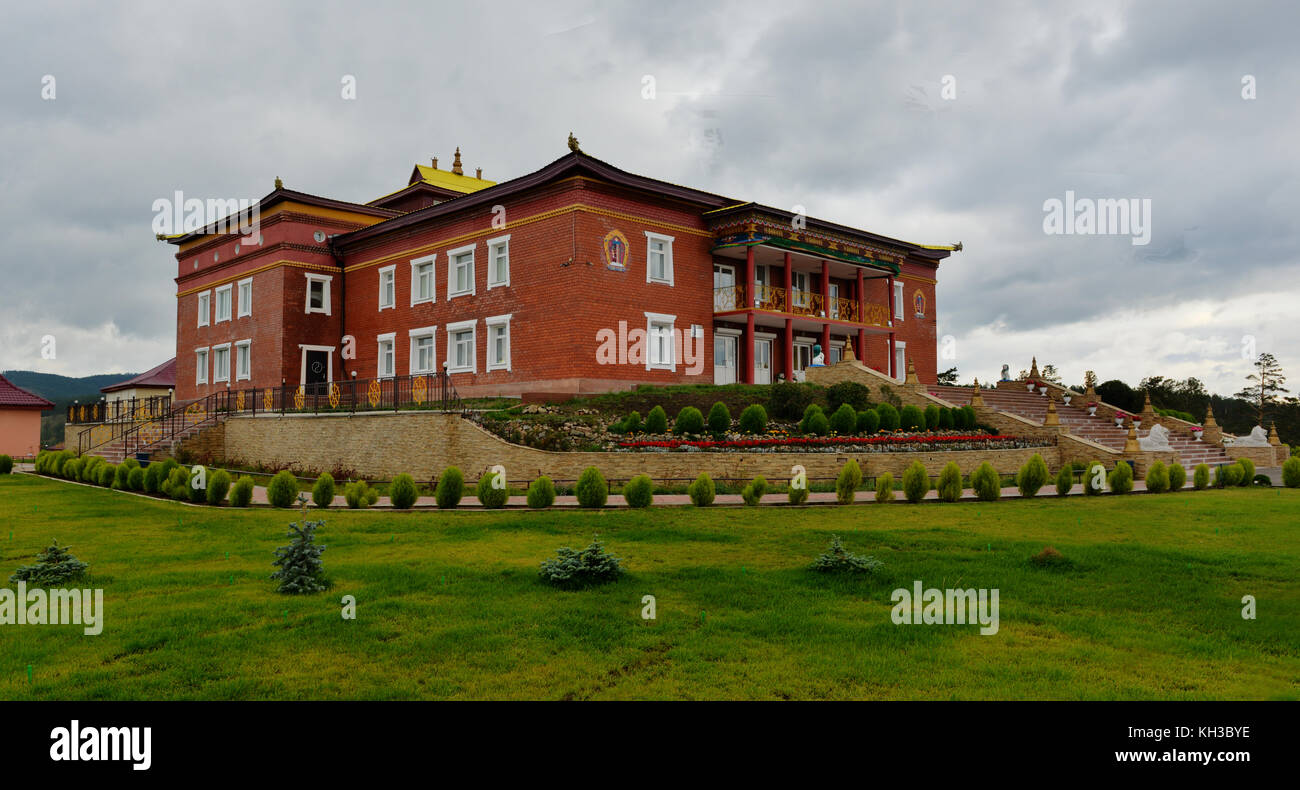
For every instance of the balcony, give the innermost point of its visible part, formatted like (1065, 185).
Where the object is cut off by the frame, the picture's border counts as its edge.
(804, 304)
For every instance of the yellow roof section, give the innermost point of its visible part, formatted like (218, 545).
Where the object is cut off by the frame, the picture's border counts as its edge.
(449, 180)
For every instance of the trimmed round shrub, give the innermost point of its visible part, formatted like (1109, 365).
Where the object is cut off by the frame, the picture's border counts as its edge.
(61, 459)
(1094, 480)
(888, 417)
(135, 480)
(945, 419)
(6, 465)
(241, 493)
(541, 493)
(931, 417)
(121, 476)
(808, 413)
(451, 487)
(797, 496)
(846, 485)
(153, 478)
(1291, 472)
(108, 476)
(1032, 476)
(1064, 480)
(969, 419)
(788, 399)
(719, 418)
(178, 484)
(322, 491)
(949, 486)
(359, 495)
(689, 420)
(198, 495)
(1121, 478)
(282, 491)
(72, 469)
(218, 486)
(1157, 478)
(753, 491)
(868, 421)
(1247, 471)
(753, 419)
(911, 418)
(1177, 477)
(402, 492)
(656, 421)
(844, 421)
(1201, 477)
(491, 492)
(632, 422)
(702, 491)
(1226, 475)
(89, 472)
(850, 392)
(639, 491)
(885, 487)
(986, 483)
(592, 490)
(916, 482)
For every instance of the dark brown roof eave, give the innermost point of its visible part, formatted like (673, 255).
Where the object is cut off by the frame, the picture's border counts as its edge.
(281, 195)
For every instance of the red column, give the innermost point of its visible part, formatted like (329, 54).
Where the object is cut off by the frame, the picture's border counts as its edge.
(860, 349)
(826, 290)
(826, 344)
(892, 357)
(787, 282)
(748, 341)
(789, 334)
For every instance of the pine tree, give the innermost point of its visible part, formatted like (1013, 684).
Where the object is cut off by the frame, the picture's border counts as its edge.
(1267, 383)
(949, 376)
(53, 566)
(301, 570)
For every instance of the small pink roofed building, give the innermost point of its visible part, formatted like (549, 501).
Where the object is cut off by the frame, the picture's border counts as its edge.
(158, 382)
(20, 420)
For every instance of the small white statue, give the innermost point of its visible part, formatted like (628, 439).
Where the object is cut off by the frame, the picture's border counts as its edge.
(1258, 438)
(1158, 439)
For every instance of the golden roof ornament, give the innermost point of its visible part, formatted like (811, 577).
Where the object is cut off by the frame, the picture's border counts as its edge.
(455, 164)
(848, 350)
(1033, 369)
(278, 183)
(1209, 417)
(573, 144)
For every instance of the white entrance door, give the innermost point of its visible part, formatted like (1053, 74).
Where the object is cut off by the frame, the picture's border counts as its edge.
(724, 359)
(900, 361)
(762, 361)
(724, 288)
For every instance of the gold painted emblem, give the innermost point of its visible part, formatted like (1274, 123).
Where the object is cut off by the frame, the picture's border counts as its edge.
(373, 393)
(334, 395)
(419, 389)
(266, 400)
(298, 397)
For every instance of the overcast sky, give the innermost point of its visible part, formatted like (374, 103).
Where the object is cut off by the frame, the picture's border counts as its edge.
(838, 107)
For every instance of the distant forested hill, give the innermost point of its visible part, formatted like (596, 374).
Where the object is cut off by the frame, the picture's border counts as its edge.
(63, 390)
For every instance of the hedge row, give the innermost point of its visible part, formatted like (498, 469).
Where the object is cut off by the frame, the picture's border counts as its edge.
(845, 420)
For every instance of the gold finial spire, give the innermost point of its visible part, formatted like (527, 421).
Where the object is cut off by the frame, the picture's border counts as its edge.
(848, 350)
(573, 144)
(435, 163)
(455, 163)
(1033, 369)
(278, 183)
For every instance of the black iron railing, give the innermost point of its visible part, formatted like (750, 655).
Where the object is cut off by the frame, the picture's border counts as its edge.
(125, 410)
(433, 391)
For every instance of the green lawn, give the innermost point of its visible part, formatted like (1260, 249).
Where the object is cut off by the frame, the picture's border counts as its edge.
(450, 605)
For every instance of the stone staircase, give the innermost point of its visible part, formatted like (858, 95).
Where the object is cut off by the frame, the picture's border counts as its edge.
(1033, 406)
(158, 436)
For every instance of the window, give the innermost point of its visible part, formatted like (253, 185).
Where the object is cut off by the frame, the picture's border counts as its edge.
(900, 360)
(387, 287)
(205, 308)
(498, 261)
(660, 351)
(201, 366)
(422, 353)
(460, 271)
(221, 363)
(498, 342)
(460, 348)
(243, 360)
(659, 258)
(387, 356)
(246, 297)
(422, 284)
(833, 301)
(223, 303)
(318, 293)
(898, 301)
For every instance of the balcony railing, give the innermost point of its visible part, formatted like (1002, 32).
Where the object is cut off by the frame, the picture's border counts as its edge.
(125, 410)
(801, 303)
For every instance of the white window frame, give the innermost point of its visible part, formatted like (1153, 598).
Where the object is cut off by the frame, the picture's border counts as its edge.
(388, 276)
(651, 319)
(430, 332)
(245, 302)
(650, 238)
(491, 323)
(901, 370)
(247, 347)
(217, 378)
(432, 261)
(452, 255)
(329, 362)
(492, 247)
(452, 331)
(325, 280)
(201, 369)
(391, 339)
(898, 300)
(229, 290)
(205, 308)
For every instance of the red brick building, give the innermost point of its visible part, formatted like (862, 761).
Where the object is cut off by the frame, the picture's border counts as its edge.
(578, 277)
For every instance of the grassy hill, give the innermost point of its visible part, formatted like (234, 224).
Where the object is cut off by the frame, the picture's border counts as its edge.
(62, 390)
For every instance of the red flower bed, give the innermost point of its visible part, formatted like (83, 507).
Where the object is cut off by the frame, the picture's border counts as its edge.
(817, 441)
